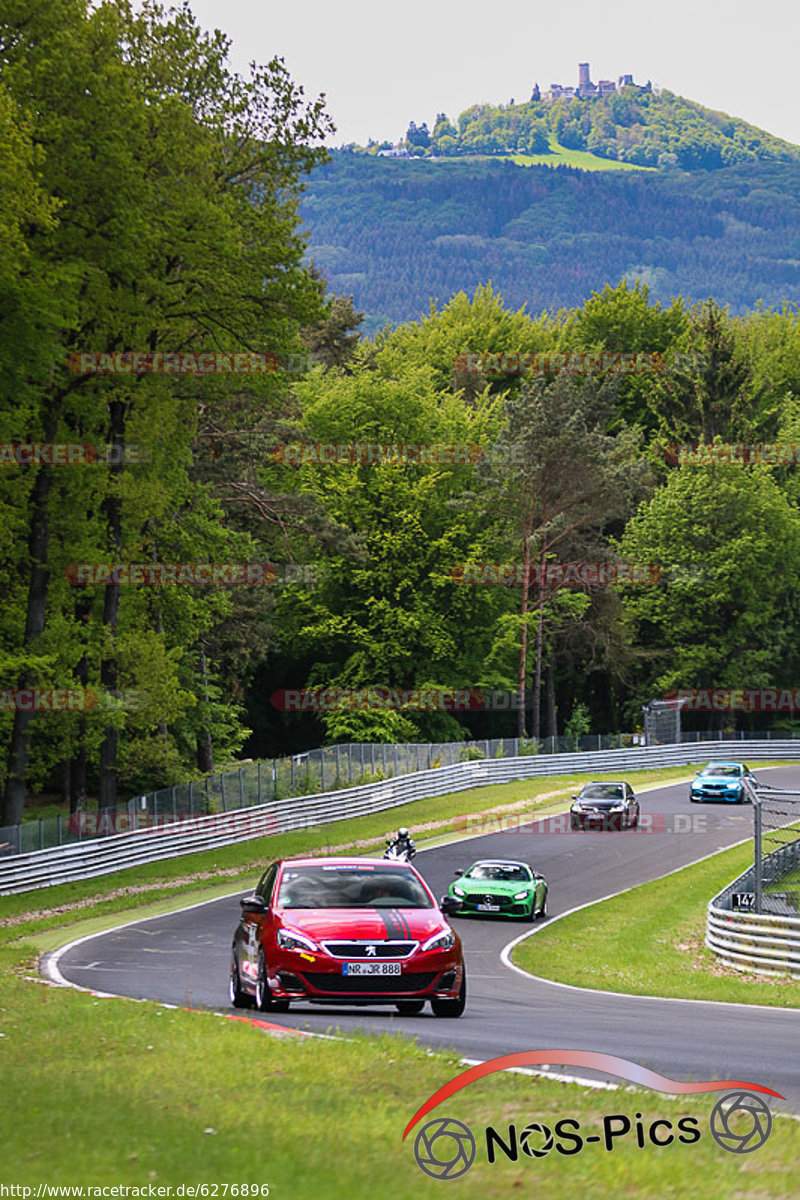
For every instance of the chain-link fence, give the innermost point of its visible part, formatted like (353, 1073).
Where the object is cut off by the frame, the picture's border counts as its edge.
(321, 770)
(776, 872)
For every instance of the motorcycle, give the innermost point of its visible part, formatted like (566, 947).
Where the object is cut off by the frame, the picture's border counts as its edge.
(399, 851)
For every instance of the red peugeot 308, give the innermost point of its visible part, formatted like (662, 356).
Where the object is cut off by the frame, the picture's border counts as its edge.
(346, 931)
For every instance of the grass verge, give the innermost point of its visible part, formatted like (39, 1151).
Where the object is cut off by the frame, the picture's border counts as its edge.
(127, 1093)
(192, 877)
(650, 941)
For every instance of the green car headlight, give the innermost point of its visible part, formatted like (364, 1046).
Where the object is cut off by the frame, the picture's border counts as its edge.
(458, 891)
(523, 895)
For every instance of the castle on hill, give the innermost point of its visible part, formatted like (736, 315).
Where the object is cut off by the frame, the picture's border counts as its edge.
(586, 90)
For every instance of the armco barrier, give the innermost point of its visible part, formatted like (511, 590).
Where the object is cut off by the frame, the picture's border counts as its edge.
(766, 943)
(101, 856)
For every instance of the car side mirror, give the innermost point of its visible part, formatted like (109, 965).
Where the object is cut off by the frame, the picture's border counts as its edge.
(252, 904)
(449, 905)
(458, 871)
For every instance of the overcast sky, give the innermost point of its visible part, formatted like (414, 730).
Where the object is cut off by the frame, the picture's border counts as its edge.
(382, 64)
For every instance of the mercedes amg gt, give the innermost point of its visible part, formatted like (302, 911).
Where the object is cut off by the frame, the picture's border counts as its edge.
(346, 931)
(501, 888)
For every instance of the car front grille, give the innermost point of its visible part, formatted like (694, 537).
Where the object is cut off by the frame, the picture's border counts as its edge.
(328, 981)
(498, 901)
(370, 949)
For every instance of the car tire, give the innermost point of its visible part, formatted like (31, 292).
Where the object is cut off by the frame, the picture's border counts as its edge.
(573, 824)
(635, 822)
(237, 997)
(693, 799)
(263, 997)
(409, 1008)
(452, 1008)
(542, 913)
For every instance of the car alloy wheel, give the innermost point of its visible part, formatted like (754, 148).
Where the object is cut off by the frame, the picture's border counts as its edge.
(452, 1008)
(237, 997)
(264, 1000)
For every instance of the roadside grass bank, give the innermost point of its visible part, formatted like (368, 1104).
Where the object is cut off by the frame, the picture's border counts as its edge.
(651, 941)
(232, 868)
(115, 1092)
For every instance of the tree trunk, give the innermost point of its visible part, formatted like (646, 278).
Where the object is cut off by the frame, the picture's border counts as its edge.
(108, 670)
(17, 771)
(77, 774)
(523, 650)
(537, 675)
(552, 717)
(205, 750)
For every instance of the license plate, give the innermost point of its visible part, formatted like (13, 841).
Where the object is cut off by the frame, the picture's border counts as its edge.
(372, 968)
(488, 907)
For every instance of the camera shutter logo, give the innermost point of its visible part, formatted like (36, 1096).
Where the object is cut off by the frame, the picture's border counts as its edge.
(727, 1132)
(528, 1139)
(444, 1148)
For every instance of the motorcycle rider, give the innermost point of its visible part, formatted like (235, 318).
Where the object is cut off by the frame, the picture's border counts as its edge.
(402, 844)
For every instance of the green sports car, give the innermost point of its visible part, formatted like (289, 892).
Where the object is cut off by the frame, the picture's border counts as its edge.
(501, 888)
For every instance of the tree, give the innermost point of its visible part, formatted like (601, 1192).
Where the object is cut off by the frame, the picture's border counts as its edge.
(725, 614)
(564, 480)
(177, 185)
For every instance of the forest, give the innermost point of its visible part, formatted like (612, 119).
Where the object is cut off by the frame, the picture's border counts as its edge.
(399, 233)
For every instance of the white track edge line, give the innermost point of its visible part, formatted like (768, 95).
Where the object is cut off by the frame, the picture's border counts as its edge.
(505, 953)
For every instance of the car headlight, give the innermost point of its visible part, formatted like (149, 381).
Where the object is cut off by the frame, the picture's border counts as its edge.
(458, 891)
(618, 807)
(290, 939)
(578, 806)
(523, 895)
(440, 941)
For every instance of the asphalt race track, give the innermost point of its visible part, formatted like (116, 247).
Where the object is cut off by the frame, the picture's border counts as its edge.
(183, 959)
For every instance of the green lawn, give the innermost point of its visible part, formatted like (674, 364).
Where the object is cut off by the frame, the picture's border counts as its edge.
(650, 941)
(109, 1092)
(562, 156)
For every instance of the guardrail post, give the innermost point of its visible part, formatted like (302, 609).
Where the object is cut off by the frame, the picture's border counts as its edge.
(372, 753)
(757, 860)
(292, 775)
(274, 779)
(222, 791)
(321, 770)
(383, 749)
(338, 765)
(208, 795)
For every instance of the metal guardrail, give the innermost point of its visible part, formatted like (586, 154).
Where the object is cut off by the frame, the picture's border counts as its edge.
(766, 943)
(115, 852)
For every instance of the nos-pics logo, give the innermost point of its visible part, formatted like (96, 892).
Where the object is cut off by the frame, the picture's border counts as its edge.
(445, 1148)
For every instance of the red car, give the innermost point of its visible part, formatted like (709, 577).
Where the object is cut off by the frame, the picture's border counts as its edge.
(346, 931)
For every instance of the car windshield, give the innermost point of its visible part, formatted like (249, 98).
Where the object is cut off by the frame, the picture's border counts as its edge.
(370, 886)
(505, 872)
(602, 791)
(729, 770)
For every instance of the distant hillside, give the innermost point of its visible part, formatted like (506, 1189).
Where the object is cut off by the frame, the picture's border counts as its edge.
(397, 233)
(633, 125)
